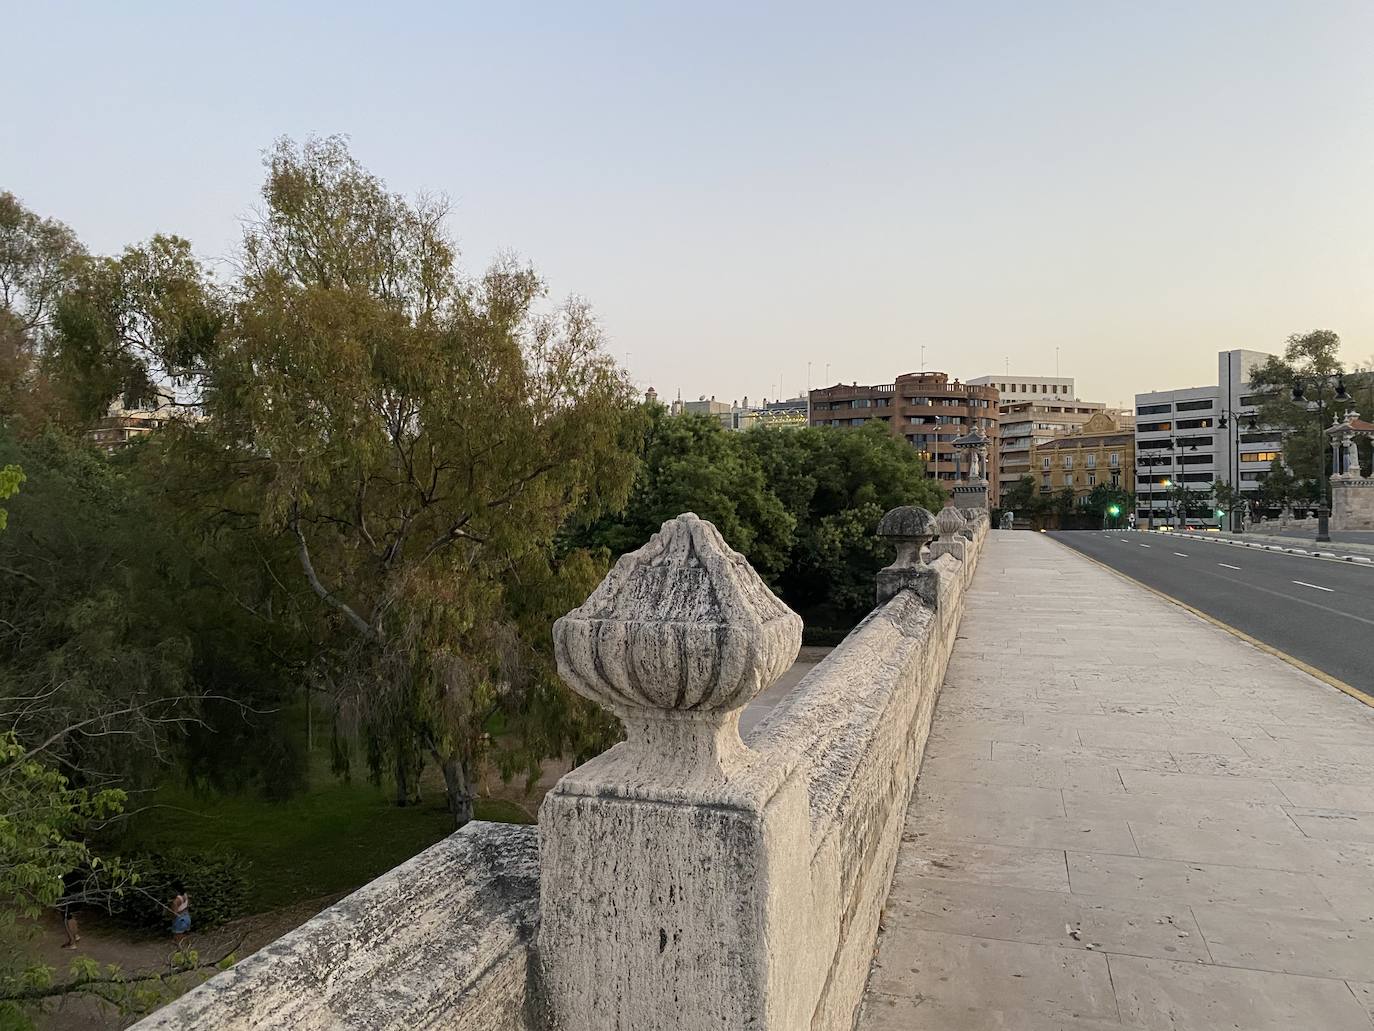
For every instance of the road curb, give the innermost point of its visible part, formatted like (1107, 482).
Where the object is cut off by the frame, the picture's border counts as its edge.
(1327, 556)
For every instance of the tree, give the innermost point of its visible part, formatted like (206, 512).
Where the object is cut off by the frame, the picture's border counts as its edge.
(1310, 361)
(692, 464)
(1228, 498)
(802, 504)
(136, 325)
(419, 437)
(38, 258)
(836, 484)
(1184, 501)
(1103, 497)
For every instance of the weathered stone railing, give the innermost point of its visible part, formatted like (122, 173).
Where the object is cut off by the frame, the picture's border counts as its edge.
(684, 879)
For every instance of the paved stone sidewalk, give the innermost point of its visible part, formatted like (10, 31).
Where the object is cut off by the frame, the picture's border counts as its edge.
(1127, 817)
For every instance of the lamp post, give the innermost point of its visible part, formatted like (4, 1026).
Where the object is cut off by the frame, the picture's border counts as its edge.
(1323, 481)
(1153, 460)
(1233, 452)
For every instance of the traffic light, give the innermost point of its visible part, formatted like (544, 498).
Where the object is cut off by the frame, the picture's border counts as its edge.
(1114, 511)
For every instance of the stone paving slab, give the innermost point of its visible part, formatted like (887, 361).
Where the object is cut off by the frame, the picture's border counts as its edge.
(1127, 818)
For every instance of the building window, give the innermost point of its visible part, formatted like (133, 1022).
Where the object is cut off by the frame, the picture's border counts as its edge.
(1068, 461)
(1114, 459)
(1152, 410)
(1045, 462)
(1092, 479)
(1260, 456)
(1116, 479)
(1194, 406)
(1092, 461)
(1154, 427)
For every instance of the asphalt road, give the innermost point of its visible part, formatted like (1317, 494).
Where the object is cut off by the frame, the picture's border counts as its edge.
(1318, 610)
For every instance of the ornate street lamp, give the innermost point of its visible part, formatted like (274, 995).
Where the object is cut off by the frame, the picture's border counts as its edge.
(1323, 482)
(1233, 465)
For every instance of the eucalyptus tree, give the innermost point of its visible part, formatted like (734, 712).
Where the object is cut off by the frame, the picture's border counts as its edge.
(419, 436)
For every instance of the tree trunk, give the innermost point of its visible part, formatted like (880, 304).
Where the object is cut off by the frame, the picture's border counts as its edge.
(458, 790)
(402, 782)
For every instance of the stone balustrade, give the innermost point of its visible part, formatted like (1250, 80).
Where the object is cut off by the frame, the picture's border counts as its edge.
(686, 878)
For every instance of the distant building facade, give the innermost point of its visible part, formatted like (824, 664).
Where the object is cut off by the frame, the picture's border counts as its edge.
(1027, 424)
(1028, 388)
(129, 418)
(926, 409)
(1179, 440)
(1100, 452)
(741, 415)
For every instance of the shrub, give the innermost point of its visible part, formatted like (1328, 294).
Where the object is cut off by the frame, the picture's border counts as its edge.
(216, 881)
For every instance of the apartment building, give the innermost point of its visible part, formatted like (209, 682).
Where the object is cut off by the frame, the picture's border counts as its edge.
(1027, 424)
(130, 417)
(1028, 388)
(927, 409)
(1100, 452)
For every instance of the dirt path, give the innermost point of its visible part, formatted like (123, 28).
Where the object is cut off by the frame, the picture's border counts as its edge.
(133, 954)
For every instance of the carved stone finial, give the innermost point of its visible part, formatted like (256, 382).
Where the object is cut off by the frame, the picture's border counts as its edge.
(678, 638)
(912, 528)
(950, 522)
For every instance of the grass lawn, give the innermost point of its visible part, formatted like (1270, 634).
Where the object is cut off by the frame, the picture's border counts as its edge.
(330, 839)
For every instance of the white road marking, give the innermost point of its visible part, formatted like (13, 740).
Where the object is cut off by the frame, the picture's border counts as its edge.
(1315, 587)
(1180, 554)
(1226, 566)
(1144, 545)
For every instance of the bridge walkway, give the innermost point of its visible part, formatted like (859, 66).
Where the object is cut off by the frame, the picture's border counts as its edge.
(1127, 818)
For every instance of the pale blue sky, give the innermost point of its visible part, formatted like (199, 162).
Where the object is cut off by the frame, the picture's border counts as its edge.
(742, 188)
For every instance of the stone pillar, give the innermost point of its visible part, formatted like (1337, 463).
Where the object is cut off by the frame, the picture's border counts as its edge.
(1352, 503)
(675, 883)
(912, 528)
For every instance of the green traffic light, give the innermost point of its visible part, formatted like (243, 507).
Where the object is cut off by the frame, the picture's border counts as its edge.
(1114, 510)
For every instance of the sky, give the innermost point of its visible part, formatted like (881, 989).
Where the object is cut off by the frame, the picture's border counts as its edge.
(755, 197)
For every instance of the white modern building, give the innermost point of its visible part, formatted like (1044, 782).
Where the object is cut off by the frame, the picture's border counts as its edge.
(1028, 388)
(1180, 439)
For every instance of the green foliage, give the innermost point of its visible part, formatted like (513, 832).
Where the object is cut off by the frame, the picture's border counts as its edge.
(1023, 498)
(89, 632)
(1310, 361)
(216, 881)
(327, 839)
(692, 464)
(1103, 497)
(802, 504)
(127, 325)
(42, 823)
(11, 476)
(418, 438)
(836, 484)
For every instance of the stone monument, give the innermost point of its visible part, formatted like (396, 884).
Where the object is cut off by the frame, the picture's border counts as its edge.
(1352, 495)
(973, 449)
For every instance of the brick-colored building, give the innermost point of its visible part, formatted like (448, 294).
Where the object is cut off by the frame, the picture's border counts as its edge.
(1101, 451)
(927, 409)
